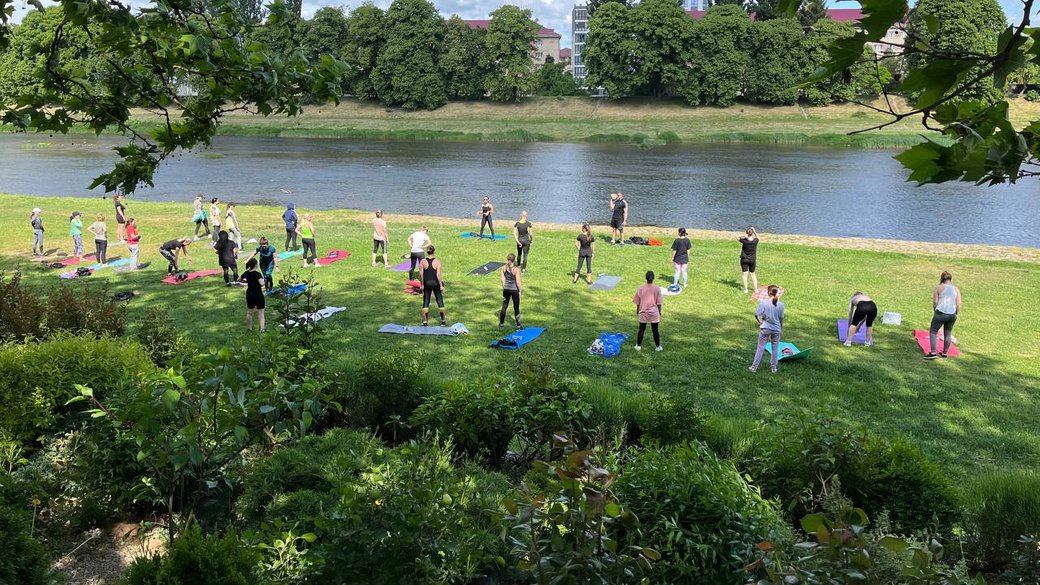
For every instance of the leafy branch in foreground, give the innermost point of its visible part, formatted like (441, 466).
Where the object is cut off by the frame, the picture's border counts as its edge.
(185, 63)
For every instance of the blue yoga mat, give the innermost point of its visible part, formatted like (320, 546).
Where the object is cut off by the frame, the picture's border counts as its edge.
(292, 291)
(518, 339)
(789, 351)
(859, 336)
(477, 236)
(605, 282)
(289, 254)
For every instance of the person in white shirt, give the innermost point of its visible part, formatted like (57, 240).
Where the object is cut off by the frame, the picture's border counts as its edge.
(946, 301)
(418, 242)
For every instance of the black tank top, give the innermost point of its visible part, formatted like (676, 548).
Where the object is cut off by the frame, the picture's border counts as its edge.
(510, 276)
(485, 209)
(430, 274)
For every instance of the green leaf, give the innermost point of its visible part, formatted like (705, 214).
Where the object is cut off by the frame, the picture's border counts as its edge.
(309, 537)
(788, 7)
(813, 522)
(170, 398)
(894, 544)
(880, 15)
(930, 22)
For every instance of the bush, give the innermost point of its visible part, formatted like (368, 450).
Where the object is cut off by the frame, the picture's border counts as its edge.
(161, 341)
(23, 561)
(698, 512)
(196, 559)
(1033, 96)
(1002, 507)
(669, 137)
(671, 418)
(37, 379)
(614, 413)
(386, 388)
(26, 314)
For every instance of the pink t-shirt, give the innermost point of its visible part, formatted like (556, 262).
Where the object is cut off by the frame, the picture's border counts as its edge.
(647, 298)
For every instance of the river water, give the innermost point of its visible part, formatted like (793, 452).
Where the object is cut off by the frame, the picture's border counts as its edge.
(821, 192)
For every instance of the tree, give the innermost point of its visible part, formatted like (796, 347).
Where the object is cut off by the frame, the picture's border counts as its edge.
(865, 77)
(407, 72)
(460, 62)
(507, 54)
(22, 64)
(663, 35)
(812, 11)
(325, 34)
(780, 64)
(764, 9)
(610, 51)
(594, 5)
(552, 80)
(720, 56)
(365, 36)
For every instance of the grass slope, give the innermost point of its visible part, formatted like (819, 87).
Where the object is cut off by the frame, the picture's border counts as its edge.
(976, 412)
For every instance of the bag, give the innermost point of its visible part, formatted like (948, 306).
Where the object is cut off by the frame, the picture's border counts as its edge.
(612, 343)
(84, 271)
(637, 240)
(123, 296)
(56, 265)
(654, 242)
(181, 276)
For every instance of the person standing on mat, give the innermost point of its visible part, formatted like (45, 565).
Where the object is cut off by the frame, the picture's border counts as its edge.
(227, 257)
(291, 219)
(748, 256)
(586, 245)
(120, 218)
(173, 249)
(649, 302)
(231, 223)
(100, 231)
(417, 242)
(133, 242)
(380, 239)
(431, 283)
(511, 288)
(523, 233)
(306, 231)
(681, 257)
(946, 305)
(76, 233)
(199, 217)
(36, 221)
(214, 215)
(486, 210)
(255, 302)
(770, 316)
(862, 310)
(619, 218)
(266, 253)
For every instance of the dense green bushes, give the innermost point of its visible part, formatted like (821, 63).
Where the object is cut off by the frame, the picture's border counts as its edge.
(1002, 507)
(161, 341)
(27, 314)
(23, 560)
(382, 393)
(198, 559)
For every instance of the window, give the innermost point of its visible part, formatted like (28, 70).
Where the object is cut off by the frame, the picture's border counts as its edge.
(539, 56)
(579, 38)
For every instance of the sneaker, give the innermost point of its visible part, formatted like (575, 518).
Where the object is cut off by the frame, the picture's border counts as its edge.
(870, 343)
(847, 343)
(943, 355)
(659, 348)
(752, 369)
(444, 323)
(639, 348)
(773, 370)
(931, 356)
(501, 325)
(425, 324)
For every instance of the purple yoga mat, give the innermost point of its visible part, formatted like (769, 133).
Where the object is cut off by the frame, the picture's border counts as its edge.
(860, 336)
(403, 266)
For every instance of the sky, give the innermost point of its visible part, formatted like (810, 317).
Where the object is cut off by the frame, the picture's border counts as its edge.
(555, 14)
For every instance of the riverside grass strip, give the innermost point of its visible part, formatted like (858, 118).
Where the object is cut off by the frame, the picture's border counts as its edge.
(974, 413)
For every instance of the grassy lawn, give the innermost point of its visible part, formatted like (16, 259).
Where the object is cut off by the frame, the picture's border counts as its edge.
(976, 412)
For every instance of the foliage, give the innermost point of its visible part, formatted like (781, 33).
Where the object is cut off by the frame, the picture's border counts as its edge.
(776, 74)
(720, 56)
(383, 392)
(463, 77)
(863, 78)
(1002, 507)
(610, 51)
(22, 64)
(670, 418)
(506, 54)
(200, 560)
(365, 36)
(36, 380)
(575, 530)
(552, 80)
(24, 560)
(663, 36)
(406, 72)
(325, 34)
(162, 342)
(698, 512)
(26, 313)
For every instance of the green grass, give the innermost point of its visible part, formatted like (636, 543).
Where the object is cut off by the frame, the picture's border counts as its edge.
(973, 413)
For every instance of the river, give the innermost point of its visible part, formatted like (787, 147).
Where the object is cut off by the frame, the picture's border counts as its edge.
(860, 193)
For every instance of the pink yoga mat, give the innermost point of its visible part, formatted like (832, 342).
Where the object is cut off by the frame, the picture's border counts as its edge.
(922, 339)
(860, 336)
(70, 260)
(763, 293)
(192, 276)
(334, 255)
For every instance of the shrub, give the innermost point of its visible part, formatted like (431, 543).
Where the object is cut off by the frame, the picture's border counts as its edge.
(198, 559)
(613, 413)
(23, 560)
(26, 314)
(731, 438)
(670, 418)
(1033, 96)
(698, 512)
(37, 379)
(669, 137)
(386, 388)
(161, 341)
(1002, 507)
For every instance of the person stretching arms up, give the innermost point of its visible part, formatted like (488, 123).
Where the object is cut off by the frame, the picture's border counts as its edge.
(619, 218)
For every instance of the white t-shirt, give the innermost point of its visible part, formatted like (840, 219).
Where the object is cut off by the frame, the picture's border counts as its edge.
(419, 240)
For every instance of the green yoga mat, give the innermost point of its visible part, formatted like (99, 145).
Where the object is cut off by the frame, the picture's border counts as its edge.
(789, 351)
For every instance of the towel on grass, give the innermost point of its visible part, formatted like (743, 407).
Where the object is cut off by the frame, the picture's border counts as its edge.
(605, 282)
(456, 329)
(518, 339)
(315, 316)
(94, 268)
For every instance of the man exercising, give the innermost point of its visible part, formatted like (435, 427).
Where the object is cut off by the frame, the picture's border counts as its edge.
(619, 219)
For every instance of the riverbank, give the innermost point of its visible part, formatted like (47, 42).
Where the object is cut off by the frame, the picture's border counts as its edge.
(972, 413)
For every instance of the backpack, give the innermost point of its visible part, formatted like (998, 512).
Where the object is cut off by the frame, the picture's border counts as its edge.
(123, 296)
(56, 265)
(181, 276)
(84, 271)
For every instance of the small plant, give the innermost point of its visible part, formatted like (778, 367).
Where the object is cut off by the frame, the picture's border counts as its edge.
(384, 391)
(162, 342)
(26, 314)
(671, 418)
(200, 560)
(24, 560)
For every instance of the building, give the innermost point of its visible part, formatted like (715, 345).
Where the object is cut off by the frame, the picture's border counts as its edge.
(691, 5)
(895, 38)
(565, 60)
(579, 31)
(547, 43)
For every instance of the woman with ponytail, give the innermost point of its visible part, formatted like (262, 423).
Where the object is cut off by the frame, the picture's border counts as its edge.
(770, 316)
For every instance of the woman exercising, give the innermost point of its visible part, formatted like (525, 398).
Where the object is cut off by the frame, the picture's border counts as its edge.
(523, 233)
(380, 239)
(171, 250)
(586, 245)
(100, 230)
(486, 209)
(36, 221)
(199, 217)
(120, 217)
(770, 316)
(431, 283)
(306, 231)
(511, 288)
(255, 302)
(417, 243)
(649, 301)
(76, 233)
(946, 304)
(265, 252)
(231, 223)
(748, 256)
(227, 257)
(862, 310)
(133, 242)
(681, 257)
(214, 214)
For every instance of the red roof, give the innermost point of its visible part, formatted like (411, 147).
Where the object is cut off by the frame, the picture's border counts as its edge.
(565, 53)
(542, 32)
(845, 14)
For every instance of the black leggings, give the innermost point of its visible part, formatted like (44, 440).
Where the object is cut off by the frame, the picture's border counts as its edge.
(290, 237)
(415, 257)
(432, 291)
(202, 223)
(653, 328)
(486, 220)
(507, 296)
(233, 267)
(523, 251)
(865, 311)
(171, 258)
(101, 249)
(588, 264)
(308, 244)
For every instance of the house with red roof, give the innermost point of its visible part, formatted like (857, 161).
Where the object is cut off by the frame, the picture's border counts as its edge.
(545, 46)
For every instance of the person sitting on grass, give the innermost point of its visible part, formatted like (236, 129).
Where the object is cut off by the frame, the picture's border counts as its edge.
(770, 317)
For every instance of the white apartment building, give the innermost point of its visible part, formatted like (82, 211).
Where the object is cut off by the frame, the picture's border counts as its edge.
(579, 31)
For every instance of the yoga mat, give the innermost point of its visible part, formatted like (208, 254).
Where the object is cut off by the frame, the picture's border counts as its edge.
(605, 282)
(859, 336)
(921, 335)
(292, 291)
(125, 269)
(95, 267)
(192, 276)
(477, 236)
(456, 329)
(763, 293)
(69, 261)
(486, 269)
(412, 287)
(518, 339)
(403, 266)
(315, 316)
(289, 254)
(334, 255)
(789, 351)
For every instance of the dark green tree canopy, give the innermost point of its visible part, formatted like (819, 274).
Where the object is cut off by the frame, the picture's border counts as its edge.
(407, 71)
(506, 55)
